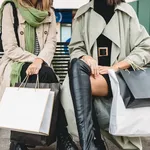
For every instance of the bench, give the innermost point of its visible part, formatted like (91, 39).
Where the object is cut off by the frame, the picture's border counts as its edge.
(1, 54)
(61, 59)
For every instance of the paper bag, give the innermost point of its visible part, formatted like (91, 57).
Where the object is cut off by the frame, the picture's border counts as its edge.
(27, 110)
(130, 122)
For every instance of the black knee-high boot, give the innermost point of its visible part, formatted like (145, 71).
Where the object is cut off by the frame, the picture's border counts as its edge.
(79, 75)
(98, 141)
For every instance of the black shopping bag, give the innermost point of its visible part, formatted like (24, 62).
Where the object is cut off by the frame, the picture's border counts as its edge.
(40, 140)
(135, 87)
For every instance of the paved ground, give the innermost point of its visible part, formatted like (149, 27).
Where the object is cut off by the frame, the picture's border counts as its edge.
(5, 134)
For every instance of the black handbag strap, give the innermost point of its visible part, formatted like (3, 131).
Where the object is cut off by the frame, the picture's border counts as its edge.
(16, 21)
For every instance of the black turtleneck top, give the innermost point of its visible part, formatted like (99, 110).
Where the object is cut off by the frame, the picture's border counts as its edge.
(106, 11)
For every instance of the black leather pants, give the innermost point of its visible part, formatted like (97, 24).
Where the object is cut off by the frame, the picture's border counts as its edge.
(80, 86)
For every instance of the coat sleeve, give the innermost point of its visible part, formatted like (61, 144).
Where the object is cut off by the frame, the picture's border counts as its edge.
(47, 53)
(139, 44)
(77, 45)
(10, 46)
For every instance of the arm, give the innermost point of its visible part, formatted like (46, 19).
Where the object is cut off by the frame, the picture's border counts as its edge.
(47, 53)
(77, 46)
(139, 43)
(121, 65)
(115, 67)
(10, 46)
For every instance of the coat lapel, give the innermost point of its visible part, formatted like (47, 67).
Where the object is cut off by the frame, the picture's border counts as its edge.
(95, 28)
(112, 32)
(39, 33)
(42, 31)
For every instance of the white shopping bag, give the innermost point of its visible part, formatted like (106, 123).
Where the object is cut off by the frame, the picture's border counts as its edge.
(27, 110)
(127, 121)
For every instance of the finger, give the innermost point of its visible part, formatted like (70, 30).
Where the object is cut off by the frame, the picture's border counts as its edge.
(97, 71)
(30, 74)
(104, 72)
(34, 70)
(30, 71)
(27, 72)
(92, 69)
(37, 71)
(100, 68)
(88, 62)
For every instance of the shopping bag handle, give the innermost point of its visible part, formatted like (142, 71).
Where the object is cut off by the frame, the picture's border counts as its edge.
(37, 84)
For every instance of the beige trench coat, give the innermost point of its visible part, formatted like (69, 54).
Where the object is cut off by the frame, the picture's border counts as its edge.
(130, 42)
(46, 34)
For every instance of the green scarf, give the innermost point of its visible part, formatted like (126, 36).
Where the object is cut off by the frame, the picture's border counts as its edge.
(34, 18)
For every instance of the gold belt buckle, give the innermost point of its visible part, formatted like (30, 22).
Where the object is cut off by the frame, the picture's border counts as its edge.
(102, 51)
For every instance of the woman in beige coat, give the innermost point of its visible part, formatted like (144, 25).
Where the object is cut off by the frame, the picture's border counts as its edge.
(106, 35)
(32, 54)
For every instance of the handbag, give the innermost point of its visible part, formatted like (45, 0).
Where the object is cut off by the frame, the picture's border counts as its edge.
(41, 140)
(130, 122)
(134, 87)
(16, 24)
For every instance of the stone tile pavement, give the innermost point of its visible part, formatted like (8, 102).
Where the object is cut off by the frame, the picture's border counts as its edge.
(5, 134)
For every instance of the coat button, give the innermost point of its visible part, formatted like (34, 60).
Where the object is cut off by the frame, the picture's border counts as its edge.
(45, 32)
(21, 32)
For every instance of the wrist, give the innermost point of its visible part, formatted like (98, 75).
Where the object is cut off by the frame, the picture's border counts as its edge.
(83, 57)
(38, 60)
(115, 67)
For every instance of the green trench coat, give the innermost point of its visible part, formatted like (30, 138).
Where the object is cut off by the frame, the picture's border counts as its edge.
(130, 42)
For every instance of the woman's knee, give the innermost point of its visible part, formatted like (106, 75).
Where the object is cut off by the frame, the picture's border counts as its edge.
(46, 70)
(78, 64)
(75, 63)
(99, 86)
(47, 74)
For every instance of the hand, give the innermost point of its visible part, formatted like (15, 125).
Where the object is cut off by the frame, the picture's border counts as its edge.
(92, 63)
(35, 67)
(104, 69)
